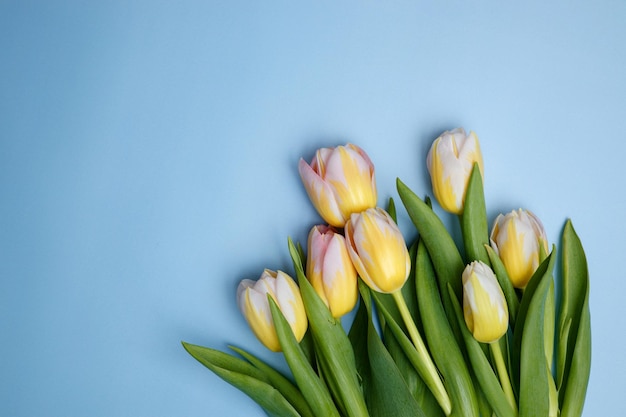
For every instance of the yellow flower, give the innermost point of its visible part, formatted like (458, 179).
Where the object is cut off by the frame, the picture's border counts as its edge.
(450, 162)
(519, 239)
(484, 306)
(253, 302)
(377, 249)
(330, 270)
(339, 181)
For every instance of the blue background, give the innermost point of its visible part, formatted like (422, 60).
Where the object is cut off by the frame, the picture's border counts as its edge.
(148, 162)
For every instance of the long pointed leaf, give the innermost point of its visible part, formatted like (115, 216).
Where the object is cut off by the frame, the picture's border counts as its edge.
(534, 391)
(441, 247)
(482, 369)
(574, 350)
(229, 369)
(308, 381)
(545, 269)
(389, 394)
(474, 219)
(416, 385)
(417, 360)
(441, 341)
(280, 382)
(512, 301)
(332, 345)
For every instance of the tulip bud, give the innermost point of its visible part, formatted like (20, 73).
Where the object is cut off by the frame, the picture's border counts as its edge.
(253, 302)
(377, 249)
(330, 270)
(519, 239)
(450, 162)
(340, 181)
(484, 306)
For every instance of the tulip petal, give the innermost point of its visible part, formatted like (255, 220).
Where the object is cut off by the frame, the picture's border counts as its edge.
(288, 298)
(355, 258)
(382, 250)
(450, 161)
(340, 281)
(321, 195)
(331, 345)
(519, 239)
(259, 318)
(351, 179)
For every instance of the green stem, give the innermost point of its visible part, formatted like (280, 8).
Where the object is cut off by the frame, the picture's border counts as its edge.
(429, 371)
(503, 373)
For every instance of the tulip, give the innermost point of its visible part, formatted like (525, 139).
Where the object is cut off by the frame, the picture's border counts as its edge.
(378, 250)
(253, 302)
(484, 306)
(520, 240)
(330, 270)
(450, 162)
(339, 181)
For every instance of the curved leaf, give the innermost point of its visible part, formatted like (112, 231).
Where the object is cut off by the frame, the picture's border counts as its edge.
(473, 220)
(280, 382)
(482, 369)
(574, 349)
(441, 340)
(239, 373)
(332, 346)
(389, 394)
(534, 388)
(512, 301)
(308, 381)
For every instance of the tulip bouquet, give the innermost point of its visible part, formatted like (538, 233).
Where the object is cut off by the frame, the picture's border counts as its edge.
(471, 329)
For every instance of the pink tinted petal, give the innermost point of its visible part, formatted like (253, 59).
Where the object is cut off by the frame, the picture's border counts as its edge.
(321, 195)
(363, 155)
(354, 254)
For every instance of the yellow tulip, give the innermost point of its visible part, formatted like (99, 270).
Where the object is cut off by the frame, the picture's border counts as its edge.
(378, 250)
(484, 305)
(339, 181)
(253, 302)
(330, 270)
(450, 162)
(519, 239)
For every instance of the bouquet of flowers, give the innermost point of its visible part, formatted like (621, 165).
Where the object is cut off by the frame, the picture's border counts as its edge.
(474, 329)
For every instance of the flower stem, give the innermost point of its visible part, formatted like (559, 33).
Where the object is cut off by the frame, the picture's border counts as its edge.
(428, 370)
(503, 374)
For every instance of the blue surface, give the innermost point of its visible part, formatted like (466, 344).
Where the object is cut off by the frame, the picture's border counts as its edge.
(148, 155)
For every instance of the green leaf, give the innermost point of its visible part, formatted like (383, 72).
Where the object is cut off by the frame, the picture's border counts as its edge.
(443, 252)
(512, 301)
(441, 341)
(574, 348)
(245, 377)
(474, 219)
(391, 209)
(332, 346)
(358, 340)
(416, 385)
(534, 388)
(309, 383)
(389, 394)
(549, 318)
(280, 382)
(417, 360)
(441, 247)
(543, 270)
(485, 375)
(213, 359)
